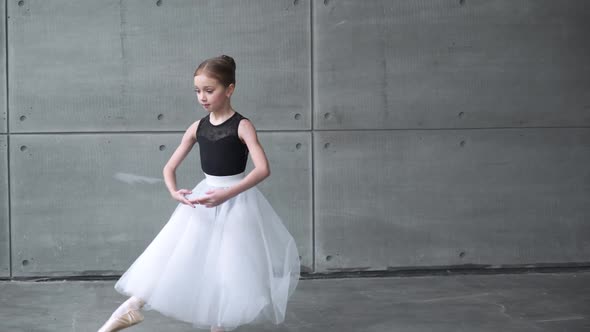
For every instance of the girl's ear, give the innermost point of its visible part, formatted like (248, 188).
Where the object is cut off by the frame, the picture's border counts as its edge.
(229, 90)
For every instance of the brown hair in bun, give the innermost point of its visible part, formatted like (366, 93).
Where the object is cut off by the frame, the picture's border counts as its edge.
(221, 68)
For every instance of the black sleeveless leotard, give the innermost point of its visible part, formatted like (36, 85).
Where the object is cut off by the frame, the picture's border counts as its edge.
(222, 152)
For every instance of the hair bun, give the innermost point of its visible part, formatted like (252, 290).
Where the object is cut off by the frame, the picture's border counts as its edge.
(229, 59)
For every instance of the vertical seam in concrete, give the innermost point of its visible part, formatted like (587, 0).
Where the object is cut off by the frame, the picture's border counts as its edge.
(312, 109)
(7, 138)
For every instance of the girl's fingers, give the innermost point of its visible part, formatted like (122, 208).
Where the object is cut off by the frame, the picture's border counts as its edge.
(206, 201)
(196, 201)
(187, 202)
(201, 200)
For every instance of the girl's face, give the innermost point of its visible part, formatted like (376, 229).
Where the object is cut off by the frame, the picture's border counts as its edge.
(210, 93)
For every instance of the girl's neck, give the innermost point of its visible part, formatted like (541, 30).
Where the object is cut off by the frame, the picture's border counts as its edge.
(221, 115)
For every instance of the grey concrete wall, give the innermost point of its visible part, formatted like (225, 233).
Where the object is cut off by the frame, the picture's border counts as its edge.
(4, 212)
(89, 203)
(4, 215)
(400, 133)
(451, 64)
(97, 88)
(440, 156)
(411, 198)
(3, 109)
(128, 65)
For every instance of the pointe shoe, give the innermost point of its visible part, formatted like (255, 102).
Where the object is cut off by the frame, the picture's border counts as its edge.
(126, 320)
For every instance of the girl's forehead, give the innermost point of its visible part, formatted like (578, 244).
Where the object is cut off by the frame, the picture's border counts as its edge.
(204, 80)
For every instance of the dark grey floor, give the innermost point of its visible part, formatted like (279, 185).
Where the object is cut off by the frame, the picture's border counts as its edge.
(495, 303)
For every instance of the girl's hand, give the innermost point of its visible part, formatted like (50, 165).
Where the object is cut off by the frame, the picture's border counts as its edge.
(179, 196)
(212, 198)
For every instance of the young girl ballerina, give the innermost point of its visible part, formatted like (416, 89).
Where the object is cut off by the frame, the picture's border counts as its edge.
(224, 258)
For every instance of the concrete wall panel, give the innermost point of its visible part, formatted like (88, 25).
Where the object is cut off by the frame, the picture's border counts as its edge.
(87, 204)
(451, 64)
(4, 221)
(390, 199)
(3, 110)
(288, 188)
(96, 201)
(128, 65)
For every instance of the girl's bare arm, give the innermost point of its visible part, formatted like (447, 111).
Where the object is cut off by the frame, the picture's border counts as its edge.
(186, 144)
(247, 132)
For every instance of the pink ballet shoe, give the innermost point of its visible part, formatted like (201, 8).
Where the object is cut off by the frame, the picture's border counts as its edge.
(126, 320)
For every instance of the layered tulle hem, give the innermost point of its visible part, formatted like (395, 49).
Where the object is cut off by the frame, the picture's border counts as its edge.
(225, 266)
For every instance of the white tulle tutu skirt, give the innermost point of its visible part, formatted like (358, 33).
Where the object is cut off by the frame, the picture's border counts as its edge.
(223, 266)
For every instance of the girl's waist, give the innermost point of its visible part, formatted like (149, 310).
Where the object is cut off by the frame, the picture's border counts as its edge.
(224, 180)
